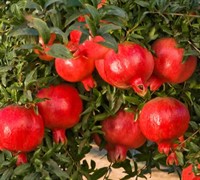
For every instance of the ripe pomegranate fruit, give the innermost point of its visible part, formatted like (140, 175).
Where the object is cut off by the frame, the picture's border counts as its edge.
(163, 120)
(169, 65)
(21, 129)
(121, 133)
(60, 110)
(81, 66)
(42, 53)
(188, 174)
(78, 68)
(131, 66)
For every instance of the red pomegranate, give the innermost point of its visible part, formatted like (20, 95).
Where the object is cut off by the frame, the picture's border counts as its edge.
(60, 110)
(93, 49)
(169, 65)
(131, 66)
(81, 66)
(21, 129)
(121, 133)
(188, 174)
(163, 120)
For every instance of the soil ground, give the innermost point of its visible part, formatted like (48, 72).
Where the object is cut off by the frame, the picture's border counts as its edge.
(116, 174)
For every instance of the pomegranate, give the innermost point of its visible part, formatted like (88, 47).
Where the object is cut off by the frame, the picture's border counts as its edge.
(121, 133)
(60, 110)
(81, 66)
(188, 174)
(130, 67)
(42, 54)
(21, 129)
(98, 50)
(93, 43)
(169, 65)
(163, 120)
(78, 68)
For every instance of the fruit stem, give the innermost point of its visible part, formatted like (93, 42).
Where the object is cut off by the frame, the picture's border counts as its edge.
(59, 136)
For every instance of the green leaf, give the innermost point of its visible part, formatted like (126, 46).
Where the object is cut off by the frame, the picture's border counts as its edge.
(22, 169)
(108, 28)
(32, 176)
(23, 31)
(56, 169)
(180, 158)
(7, 174)
(42, 29)
(94, 13)
(136, 36)
(91, 25)
(50, 2)
(99, 173)
(194, 147)
(116, 11)
(59, 51)
(142, 3)
(194, 125)
(30, 78)
(110, 42)
(92, 164)
(4, 69)
(197, 109)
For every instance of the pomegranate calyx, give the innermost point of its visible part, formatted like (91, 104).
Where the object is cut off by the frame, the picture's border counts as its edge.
(139, 86)
(172, 159)
(59, 136)
(116, 153)
(165, 147)
(21, 158)
(88, 83)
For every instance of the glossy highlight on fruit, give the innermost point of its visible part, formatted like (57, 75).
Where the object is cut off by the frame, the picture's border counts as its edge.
(21, 129)
(60, 109)
(169, 66)
(131, 66)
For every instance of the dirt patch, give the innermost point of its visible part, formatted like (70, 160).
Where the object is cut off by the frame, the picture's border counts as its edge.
(116, 174)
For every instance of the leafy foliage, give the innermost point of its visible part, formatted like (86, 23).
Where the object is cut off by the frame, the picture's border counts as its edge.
(22, 73)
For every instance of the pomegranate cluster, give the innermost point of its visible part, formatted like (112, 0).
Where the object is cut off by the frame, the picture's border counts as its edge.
(22, 129)
(132, 66)
(162, 120)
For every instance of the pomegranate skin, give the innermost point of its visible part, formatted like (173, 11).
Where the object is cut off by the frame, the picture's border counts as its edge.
(121, 133)
(162, 120)
(93, 49)
(188, 174)
(62, 108)
(169, 66)
(132, 66)
(121, 129)
(21, 129)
